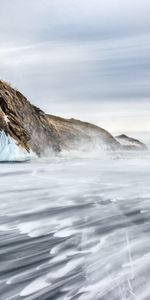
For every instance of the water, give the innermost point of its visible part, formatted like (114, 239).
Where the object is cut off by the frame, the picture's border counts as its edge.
(75, 227)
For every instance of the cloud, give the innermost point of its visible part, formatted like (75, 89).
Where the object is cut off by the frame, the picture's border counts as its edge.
(66, 55)
(36, 20)
(81, 71)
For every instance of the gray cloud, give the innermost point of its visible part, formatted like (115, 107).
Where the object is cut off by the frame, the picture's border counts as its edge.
(70, 54)
(81, 71)
(39, 20)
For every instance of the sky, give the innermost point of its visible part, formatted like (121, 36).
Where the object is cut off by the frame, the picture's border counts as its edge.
(88, 59)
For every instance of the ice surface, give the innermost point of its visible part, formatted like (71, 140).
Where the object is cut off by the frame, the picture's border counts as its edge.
(10, 151)
(35, 286)
(76, 227)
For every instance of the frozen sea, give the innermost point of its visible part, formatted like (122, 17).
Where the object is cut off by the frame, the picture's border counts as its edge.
(76, 227)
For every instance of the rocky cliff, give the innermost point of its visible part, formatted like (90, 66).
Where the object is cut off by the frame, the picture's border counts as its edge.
(130, 143)
(32, 129)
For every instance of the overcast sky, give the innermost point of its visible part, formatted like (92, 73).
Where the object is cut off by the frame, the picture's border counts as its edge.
(88, 59)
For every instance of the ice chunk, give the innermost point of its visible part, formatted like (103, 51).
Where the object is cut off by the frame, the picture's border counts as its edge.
(10, 151)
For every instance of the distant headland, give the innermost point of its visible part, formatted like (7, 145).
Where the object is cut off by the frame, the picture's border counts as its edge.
(33, 130)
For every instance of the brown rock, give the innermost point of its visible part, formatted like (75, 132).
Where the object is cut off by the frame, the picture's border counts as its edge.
(34, 130)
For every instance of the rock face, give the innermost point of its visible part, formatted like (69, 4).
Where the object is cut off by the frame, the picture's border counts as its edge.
(25, 123)
(33, 130)
(130, 143)
(75, 134)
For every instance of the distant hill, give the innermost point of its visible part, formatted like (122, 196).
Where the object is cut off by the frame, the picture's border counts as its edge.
(130, 143)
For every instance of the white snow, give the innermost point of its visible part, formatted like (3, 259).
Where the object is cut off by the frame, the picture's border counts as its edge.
(87, 246)
(6, 119)
(34, 287)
